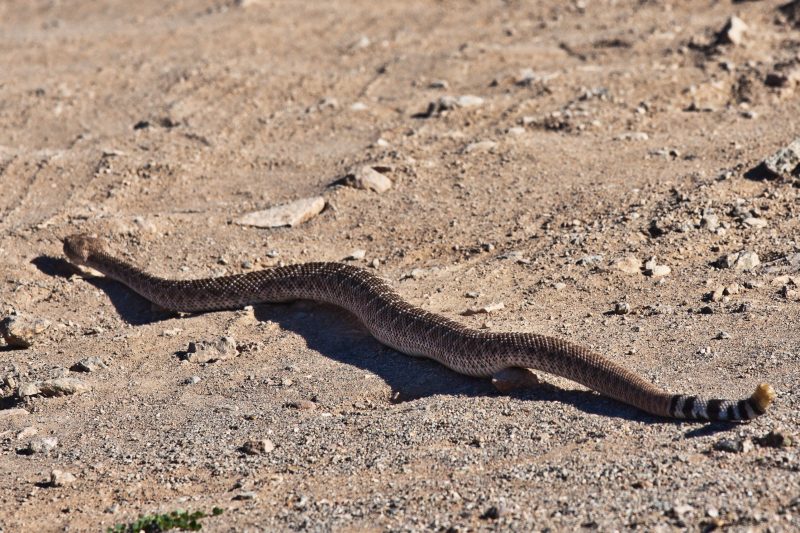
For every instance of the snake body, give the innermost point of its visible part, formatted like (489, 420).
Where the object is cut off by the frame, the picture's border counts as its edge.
(412, 330)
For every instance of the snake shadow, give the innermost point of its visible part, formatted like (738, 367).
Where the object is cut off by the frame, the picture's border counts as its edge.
(410, 378)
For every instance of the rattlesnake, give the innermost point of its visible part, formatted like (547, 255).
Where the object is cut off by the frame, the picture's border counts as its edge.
(414, 331)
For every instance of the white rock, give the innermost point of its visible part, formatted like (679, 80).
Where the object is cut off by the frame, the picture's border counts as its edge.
(740, 261)
(755, 222)
(632, 136)
(291, 214)
(90, 364)
(733, 31)
(660, 271)
(366, 177)
(356, 255)
(469, 100)
(486, 309)
(258, 447)
(61, 479)
(629, 265)
(480, 146)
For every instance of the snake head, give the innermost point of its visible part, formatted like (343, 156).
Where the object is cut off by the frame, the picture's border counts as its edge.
(79, 247)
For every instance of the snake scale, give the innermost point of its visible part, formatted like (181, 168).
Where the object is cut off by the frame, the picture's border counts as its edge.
(412, 330)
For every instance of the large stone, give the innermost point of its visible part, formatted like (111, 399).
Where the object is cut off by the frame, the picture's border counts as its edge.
(208, 351)
(291, 214)
(740, 261)
(62, 387)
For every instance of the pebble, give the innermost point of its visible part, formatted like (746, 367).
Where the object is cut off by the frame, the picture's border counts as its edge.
(740, 261)
(192, 380)
(629, 265)
(258, 447)
(208, 351)
(246, 495)
(559, 286)
(171, 332)
(469, 100)
(486, 309)
(20, 330)
(632, 136)
(733, 31)
(356, 255)
(89, 364)
(734, 445)
(472, 294)
(358, 106)
(27, 432)
(659, 271)
(786, 161)
(368, 178)
(291, 214)
(480, 146)
(303, 405)
(723, 335)
(755, 222)
(516, 131)
(61, 479)
(622, 308)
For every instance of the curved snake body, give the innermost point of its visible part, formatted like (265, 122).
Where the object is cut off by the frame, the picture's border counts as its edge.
(412, 330)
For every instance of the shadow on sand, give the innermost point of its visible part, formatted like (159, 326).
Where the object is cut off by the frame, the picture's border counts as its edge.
(410, 378)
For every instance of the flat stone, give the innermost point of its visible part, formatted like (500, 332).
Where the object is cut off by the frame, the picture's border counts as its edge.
(469, 100)
(90, 364)
(208, 351)
(14, 412)
(62, 387)
(291, 214)
(629, 265)
(356, 255)
(755, 222)
(659, 271)
(480, 146)
(486, 309)
(368, 178)
(303, 405)
(20, 330)
(43, 445)
(28, 389)
(786, 161)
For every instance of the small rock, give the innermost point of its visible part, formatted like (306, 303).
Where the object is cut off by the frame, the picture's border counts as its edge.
(790, 293)
(27, 432)
(356, 255)
(20, 330)
(632, 136)
(589, 260)
(43, 445)
(775, 439)
(740, 261)
(733, 31)
(246, 495)
(6, 414)
(785, 162)
(28, 389)
(516, 131)
(208, 351)
(559, 286)
(62, 387)
(472, 294)
(171, 332)
(258, 447)
(622, 308)
(659, 271)
(486, 309)
(492, 513)
(723, 335)
(89, 364)
(358, 106)
(439, 84)
(291, 214)
(480, 146)
(192, 380)
(734, 445)
(61, 479)
(718, 294)
(368, 178)
(469, 100)
(629, 265)
(754, 222)
(710, 221)
(303, 405)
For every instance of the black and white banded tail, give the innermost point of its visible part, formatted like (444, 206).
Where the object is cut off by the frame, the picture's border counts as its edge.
(695, 408)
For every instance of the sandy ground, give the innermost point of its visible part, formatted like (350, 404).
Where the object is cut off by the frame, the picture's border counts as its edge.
(603, 129)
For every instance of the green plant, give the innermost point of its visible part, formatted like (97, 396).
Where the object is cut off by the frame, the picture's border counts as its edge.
(182, 520)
